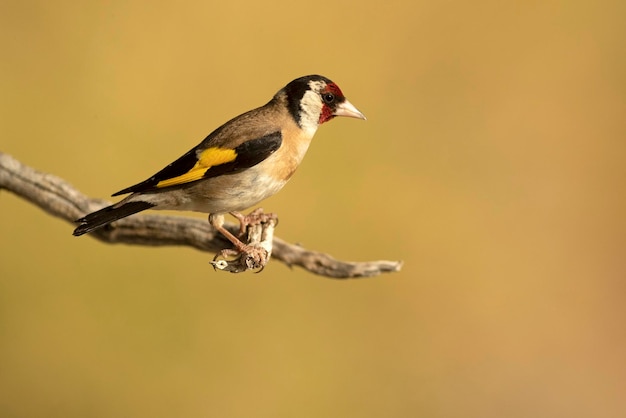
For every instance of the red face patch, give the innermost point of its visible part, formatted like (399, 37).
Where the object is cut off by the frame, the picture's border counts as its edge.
(326, 115)
(329, 109)
(334, 89)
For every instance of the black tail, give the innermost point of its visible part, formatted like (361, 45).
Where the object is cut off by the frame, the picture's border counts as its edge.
(107, 215)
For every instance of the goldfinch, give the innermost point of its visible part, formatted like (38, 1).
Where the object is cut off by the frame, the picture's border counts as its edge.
(244, 161)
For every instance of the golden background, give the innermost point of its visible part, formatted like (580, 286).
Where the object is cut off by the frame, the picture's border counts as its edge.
(492, 163)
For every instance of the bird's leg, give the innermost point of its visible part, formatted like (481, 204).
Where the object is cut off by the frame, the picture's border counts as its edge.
(217, 221)
(255, 251)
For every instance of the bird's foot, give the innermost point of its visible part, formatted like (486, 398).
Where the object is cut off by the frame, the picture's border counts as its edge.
(255, 217)
(255, 252)
(250, 258)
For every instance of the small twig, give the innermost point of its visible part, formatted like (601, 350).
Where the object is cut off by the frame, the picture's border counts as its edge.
(57, 197)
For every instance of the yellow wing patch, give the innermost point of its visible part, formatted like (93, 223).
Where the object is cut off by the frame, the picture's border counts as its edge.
(208, 158)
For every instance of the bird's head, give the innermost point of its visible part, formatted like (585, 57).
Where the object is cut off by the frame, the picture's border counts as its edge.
(314, 99)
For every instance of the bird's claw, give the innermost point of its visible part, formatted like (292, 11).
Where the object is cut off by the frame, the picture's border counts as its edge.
(249, 258)
(253, 249)
(256, 217)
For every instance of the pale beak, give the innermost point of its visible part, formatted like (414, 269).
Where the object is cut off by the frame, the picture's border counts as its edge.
(347, 109)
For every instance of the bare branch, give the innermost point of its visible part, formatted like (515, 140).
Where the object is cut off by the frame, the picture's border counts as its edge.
(57, 197)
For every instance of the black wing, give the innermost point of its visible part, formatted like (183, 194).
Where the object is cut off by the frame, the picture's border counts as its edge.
(200, 163)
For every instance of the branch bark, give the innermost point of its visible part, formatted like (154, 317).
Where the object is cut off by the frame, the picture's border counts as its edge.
(57, 197)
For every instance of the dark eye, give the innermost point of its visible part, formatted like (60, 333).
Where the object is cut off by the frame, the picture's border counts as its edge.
(328, 98)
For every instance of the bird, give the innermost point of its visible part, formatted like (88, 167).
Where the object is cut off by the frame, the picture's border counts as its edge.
(242, 162)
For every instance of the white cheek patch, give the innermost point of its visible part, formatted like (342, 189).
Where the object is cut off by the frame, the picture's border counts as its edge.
(311, 108)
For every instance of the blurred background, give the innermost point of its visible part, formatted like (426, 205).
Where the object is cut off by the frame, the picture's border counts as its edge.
(492, 163)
